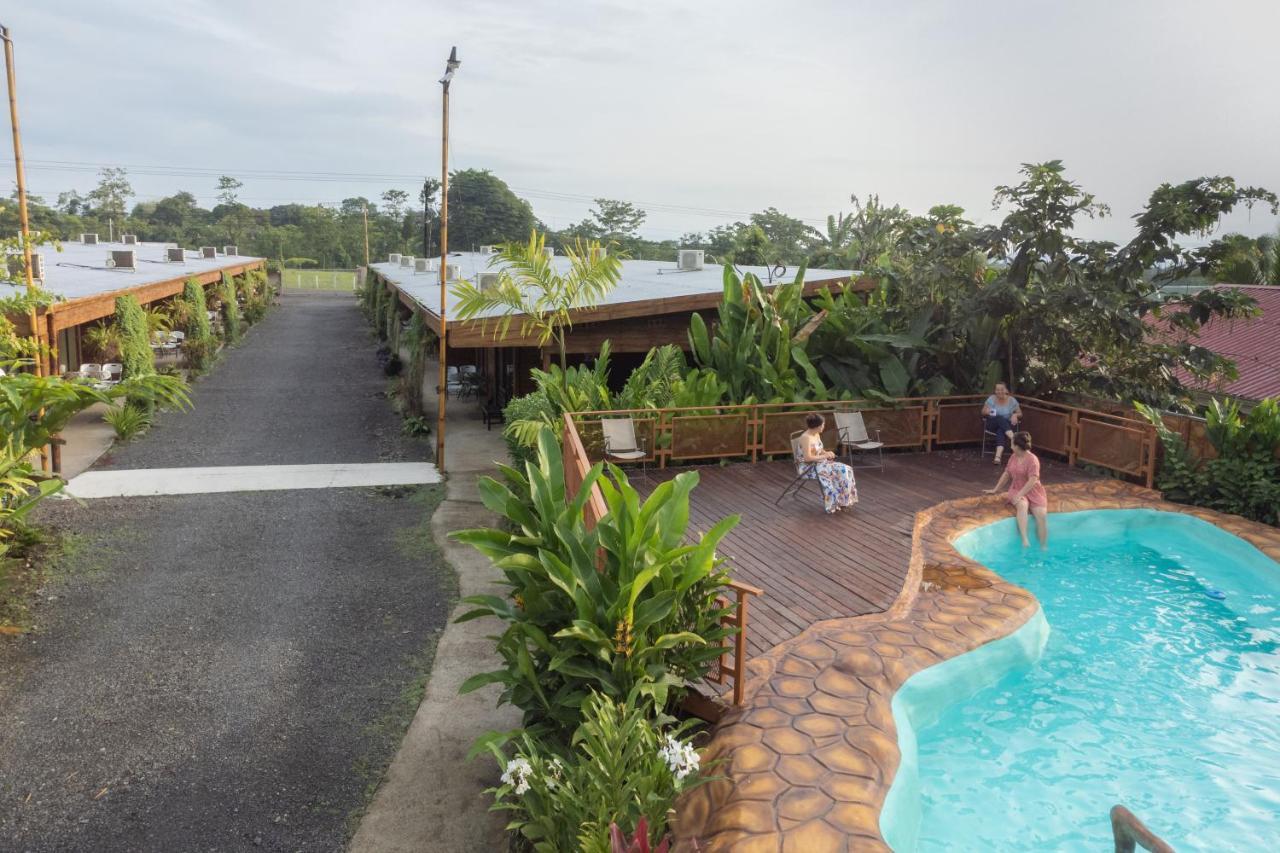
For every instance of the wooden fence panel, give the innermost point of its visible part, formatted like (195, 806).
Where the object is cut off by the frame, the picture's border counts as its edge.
(1121, 448)
(710, 436)
(959, 423)
(1049, 428)
(898, 427)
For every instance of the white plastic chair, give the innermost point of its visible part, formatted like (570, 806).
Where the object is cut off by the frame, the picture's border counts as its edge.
(91, 371)
(112, 373)
(177, 336)
(853, 436)
(620, 444)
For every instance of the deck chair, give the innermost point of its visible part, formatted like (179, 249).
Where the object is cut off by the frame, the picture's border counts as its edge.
(111, 373)
(989, 437)
(620, 442)
(91, 371)
(806, 472)
(853, 436)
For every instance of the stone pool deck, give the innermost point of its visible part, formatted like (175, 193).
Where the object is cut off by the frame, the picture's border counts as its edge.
(807, 761)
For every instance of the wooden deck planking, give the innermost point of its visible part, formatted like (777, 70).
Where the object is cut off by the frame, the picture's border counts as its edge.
(813, 566)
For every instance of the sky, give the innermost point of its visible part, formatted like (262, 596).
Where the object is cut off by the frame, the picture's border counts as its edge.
(699, 112)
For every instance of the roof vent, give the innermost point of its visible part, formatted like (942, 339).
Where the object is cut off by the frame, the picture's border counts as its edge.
(420, 265)
(393, 258)
(690, 259)
(597, 253)
(452, 272)
(209, 252)
(129, 239)
(487, 280)
(488, 250)
(407, 261)
(231, 251)
(175, 255)
(89, 239)
(123, 259)
(37, 266)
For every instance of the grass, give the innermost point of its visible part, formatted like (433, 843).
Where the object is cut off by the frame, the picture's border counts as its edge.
(41, 559)
(340, 280)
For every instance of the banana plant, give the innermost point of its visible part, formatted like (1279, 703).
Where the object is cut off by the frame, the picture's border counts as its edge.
(622, 608)
(758, 344)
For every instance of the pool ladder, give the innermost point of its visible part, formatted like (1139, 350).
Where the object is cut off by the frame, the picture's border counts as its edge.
(1131, 833)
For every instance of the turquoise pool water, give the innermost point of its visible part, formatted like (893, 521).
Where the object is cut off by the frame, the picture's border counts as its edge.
(1151, 691)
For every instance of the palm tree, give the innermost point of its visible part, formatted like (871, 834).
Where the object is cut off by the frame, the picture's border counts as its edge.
(529, 287)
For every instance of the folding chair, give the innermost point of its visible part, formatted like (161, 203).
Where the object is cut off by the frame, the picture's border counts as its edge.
(853, 436)
(91, 371)
(620, 442)
(989, 437)
(112, 373)
(805, 471)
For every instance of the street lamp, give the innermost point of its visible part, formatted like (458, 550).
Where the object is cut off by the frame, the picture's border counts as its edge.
(442, 389)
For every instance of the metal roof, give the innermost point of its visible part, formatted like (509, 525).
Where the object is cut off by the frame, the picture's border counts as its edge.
(1253, 343)
(79, 270)
(641, 281)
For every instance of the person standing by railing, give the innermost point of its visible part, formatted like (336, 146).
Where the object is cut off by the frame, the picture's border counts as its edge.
(1002, 414)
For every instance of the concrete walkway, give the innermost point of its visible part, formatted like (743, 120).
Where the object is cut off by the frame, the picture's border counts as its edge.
(225, 672)
(413, 812)
(248, 478)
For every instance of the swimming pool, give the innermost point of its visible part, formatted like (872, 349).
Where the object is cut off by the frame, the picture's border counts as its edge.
(1155, 683)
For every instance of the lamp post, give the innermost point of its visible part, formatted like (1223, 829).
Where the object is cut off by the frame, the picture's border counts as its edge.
(442, 389)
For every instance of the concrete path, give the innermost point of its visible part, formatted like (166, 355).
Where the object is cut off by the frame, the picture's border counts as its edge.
(412, 812)
(248, 478)
(230, 671)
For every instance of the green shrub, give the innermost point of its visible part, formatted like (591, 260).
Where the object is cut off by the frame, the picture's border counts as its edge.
(127, 420)
(641, 622)
(1244, 476)
(135, 345)
(230, 309)
(621, 767)
(197, 310)
(531, 408)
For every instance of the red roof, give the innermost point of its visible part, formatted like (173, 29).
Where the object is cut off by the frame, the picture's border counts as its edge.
(1253, 343)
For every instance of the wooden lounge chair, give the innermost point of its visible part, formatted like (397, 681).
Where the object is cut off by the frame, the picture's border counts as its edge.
(620, 443)
(853, 437)
(806, 472)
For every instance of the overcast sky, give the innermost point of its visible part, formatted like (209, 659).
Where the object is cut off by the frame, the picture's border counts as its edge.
(700, 111)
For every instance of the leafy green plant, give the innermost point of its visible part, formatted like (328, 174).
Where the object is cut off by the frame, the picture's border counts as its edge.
(621, 769)
(758, 346)
(199, 345)
(415, 425)
(127, 420)
(135, 340)
(230, 309)
(103, 340)
(1243, 476)
(618, 608)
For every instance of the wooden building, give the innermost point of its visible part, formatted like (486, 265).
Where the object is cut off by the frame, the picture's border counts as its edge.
(650, 307)
(88, 275)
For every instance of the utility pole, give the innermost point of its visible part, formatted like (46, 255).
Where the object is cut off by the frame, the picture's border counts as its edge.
(23, 221)
(426, 229)
(443, 388)
(364, 211)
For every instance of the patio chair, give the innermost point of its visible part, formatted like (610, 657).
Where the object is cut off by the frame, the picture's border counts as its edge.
(806, 472)
(989, 437)
(620, 443)
(177, 336)
(91, 371)
(112, 373)
(853, 436)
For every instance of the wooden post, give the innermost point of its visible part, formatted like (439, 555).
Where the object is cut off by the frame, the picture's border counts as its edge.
(442, 390)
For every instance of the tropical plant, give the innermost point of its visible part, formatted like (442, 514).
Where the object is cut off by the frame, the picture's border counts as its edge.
(624, 608)
(230, 309)
(127, 420)
(20, 491)
(620, 769)
(103, 340)
(655, 383)
(530, 287)
(757, 347)
(199, 345)
(418, 340)
(1242, 476)
(135, 341)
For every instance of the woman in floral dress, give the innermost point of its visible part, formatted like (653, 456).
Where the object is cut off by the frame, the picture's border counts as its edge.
(1026, 493)
(836, 478)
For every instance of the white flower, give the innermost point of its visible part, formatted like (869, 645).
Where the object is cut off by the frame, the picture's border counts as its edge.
(681, 758)
(517, 773)
(554, 774)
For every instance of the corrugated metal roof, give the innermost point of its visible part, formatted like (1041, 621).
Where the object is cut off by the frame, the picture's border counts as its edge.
(80, 270)
(1253, 343)
(642, 281)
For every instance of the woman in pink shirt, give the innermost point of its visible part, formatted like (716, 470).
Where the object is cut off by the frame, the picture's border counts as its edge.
(1026, 492)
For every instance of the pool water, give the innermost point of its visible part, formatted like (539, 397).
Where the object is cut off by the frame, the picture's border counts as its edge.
(1158, 688)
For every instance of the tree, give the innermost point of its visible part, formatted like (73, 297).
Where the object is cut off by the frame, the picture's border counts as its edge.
(72, 203)
(484, 210)
(393, 202)
(751, 247)
(789, 237)
(228, 187)
(111, 196)
(616, 220)
(529, 285)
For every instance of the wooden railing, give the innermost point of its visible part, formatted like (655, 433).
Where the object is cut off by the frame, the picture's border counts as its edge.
(1130, 833)
(1126, 446)
(577, 465)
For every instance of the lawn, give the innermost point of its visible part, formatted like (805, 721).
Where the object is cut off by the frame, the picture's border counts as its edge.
(319, 279)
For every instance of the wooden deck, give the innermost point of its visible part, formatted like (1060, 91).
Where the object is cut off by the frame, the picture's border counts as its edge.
(813, 566)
